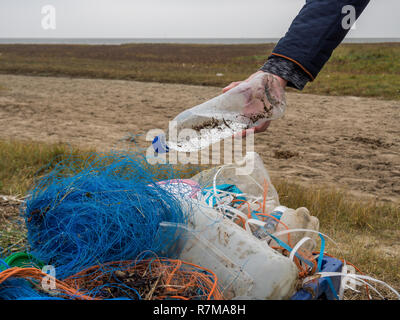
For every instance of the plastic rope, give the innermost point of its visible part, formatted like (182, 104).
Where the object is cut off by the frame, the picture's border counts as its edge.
(361, 278)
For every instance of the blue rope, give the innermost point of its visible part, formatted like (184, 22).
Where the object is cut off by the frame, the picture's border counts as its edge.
(320, 258)
(321, 252)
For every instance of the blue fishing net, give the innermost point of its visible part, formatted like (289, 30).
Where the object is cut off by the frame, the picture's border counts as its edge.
(101, 209)
(16, 289)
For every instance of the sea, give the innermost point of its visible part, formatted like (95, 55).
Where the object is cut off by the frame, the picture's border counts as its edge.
(119, 41)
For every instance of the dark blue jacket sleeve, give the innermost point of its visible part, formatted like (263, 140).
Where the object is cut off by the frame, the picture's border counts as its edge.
(315, 33)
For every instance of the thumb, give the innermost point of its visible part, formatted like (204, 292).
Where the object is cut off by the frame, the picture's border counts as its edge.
(231, 86)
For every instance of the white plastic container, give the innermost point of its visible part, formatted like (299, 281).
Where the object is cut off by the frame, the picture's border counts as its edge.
(243, 107)
(299, 219)
(246, 267)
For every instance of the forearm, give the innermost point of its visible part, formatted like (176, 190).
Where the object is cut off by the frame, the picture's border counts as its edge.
(313, 35)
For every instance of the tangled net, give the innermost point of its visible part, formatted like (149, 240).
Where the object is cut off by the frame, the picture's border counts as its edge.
(26, 283)
(106, 208)
(16, 289)
(86, 214)
(149, 279)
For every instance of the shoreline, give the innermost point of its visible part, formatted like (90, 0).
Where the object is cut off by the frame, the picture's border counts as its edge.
(222, 41)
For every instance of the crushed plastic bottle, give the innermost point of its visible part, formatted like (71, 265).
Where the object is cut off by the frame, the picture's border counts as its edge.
(299, 219)
(270, 225)
(246, 106)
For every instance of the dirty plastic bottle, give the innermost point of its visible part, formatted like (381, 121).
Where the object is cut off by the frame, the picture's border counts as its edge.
(246, 106)
(270, 224)
(299, 219)
(277, 213)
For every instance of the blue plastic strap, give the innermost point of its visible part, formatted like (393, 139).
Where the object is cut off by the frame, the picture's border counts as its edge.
(321, 252)
(284, 245)
(320, 258)
(332, 288)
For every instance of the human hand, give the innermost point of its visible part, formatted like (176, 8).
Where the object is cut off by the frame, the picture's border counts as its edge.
(274, 87)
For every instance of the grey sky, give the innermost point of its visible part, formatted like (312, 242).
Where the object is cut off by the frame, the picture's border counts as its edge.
(178, 18)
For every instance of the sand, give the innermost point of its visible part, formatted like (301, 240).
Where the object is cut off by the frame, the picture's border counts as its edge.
(348, 142)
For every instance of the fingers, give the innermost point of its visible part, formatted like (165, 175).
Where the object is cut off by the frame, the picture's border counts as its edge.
(236, 83)
(262, 127)
(231, 86)
(248, 132)
(244, 133)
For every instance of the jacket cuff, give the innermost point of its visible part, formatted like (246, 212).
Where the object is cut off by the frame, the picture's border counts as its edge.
(287, 70)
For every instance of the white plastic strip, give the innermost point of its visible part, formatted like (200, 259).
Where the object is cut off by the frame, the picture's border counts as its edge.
(344, 284)
(357, 277)
(215, 188)
(257, 222)
(298, 245)
(283, 232)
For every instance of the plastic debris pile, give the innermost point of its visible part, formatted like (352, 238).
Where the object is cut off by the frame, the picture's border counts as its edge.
(111, 228)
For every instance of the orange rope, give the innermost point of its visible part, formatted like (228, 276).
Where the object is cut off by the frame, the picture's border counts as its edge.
(171, 275)
(248, 210)
(180, 276)
(184, 274)
(265, 195)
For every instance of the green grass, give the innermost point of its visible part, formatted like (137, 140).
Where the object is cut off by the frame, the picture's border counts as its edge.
(335, 207)
(368, 70)
(22, 162)
(365, 231)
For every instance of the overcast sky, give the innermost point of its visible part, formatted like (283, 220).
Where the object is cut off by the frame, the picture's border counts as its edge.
(178, 18)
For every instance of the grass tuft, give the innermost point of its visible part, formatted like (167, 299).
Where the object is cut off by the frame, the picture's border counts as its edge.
(335, 207)
(21, 162)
